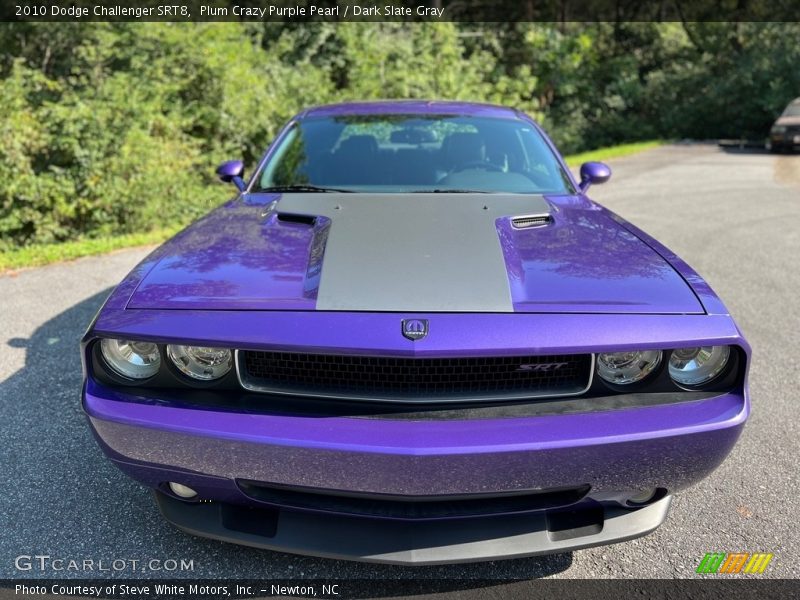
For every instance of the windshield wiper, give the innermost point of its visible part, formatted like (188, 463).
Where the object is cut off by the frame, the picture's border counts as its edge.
(449, 191)
(301, 188)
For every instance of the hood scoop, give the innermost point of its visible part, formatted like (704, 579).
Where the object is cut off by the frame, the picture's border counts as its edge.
(531, 221)
(309, 220)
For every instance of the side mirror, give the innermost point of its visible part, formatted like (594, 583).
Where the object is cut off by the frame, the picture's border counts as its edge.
(593, 172)
(232, 171)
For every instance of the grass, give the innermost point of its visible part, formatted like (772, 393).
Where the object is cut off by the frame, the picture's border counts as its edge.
(602, 154)
(43, 254)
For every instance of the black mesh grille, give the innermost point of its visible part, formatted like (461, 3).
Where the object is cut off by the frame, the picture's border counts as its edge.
(416, 378)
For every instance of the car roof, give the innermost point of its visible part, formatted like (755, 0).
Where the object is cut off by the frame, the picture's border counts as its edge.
(432, 107)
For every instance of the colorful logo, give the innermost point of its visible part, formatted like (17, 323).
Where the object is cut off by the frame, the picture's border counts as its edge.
(735, 562)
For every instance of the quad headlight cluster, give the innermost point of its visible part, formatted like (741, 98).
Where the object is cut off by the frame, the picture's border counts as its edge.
(692, 367)
(142, 360)
(688, 367)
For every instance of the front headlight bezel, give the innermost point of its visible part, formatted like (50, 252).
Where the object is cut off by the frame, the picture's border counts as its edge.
(650, 359)
(660, 381)
(723, 358)
(112, 351)
(167, 377)
(184, 361)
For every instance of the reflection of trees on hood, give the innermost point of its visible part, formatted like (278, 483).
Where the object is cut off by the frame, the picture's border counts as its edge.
(236, 242)
(588, 245)
(237, 234)
(234, 252)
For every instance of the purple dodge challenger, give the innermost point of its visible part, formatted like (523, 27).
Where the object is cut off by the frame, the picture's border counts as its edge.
(412, 338)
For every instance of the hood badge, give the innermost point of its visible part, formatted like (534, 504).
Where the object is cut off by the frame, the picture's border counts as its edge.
(414, 329)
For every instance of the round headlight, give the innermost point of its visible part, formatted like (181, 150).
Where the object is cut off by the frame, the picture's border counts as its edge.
(201, 362)
(135, 360)
(696, 366)
(623, 368)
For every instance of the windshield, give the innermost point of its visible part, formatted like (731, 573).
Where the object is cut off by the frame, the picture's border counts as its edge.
(793, 110)
(414, 153)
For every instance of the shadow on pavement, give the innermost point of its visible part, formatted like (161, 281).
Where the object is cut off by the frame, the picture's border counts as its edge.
(61, 497)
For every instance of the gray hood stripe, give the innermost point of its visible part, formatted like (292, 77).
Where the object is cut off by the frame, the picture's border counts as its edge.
(413, 252)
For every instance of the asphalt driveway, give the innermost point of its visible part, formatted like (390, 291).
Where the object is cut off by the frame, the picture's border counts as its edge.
(734, 216)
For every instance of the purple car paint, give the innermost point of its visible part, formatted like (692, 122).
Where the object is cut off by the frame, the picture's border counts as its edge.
(593, 172)
(232, 172)
(428, 328)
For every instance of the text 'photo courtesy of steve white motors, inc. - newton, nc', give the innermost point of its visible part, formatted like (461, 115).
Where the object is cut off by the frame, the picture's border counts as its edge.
(94, 589)
(202, 11)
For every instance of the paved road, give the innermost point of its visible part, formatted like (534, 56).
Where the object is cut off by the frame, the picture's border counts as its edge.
(734, 216)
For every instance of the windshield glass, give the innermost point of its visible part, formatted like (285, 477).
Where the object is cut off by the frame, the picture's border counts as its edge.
(793, 110)
(415, 153)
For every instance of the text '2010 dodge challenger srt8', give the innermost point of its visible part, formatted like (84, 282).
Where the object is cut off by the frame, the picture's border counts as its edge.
(412, 338)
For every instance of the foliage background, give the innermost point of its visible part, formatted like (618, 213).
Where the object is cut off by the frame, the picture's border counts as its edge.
(114, 129)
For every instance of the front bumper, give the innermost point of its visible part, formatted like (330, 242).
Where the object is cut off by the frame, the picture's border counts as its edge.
(614, 454)
(610, 449)
(784, 140)
(670, 445)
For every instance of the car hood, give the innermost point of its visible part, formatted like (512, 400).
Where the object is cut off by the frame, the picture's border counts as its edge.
(788, 121)
(411, 253)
